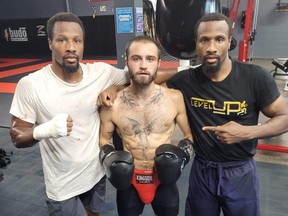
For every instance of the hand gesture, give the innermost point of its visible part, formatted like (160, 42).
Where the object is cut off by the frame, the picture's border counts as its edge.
(229, 133)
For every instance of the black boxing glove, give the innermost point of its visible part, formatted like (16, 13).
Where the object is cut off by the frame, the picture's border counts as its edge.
(118, 166)
(170, 160)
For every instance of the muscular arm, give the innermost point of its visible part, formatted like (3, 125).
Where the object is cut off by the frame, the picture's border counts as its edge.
(233, 132)
(107, 126)
(21, 133)
(164, 74)
(24, 134)
(278, 122)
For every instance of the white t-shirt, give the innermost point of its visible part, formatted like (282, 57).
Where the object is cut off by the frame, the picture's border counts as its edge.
(71, 164)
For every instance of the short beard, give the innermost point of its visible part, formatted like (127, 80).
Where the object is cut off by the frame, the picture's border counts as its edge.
(142, 82)
(69, 68)
(211, 69)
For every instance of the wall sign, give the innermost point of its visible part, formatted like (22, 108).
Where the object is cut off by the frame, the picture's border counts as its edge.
(124, 20)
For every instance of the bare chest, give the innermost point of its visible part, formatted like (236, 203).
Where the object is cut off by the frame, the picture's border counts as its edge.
(143, 130)
(146, 119)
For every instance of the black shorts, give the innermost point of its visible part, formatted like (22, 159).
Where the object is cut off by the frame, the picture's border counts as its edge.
(165, 202)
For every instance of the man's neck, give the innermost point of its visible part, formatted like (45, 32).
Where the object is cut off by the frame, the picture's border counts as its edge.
(71, 78)
(142, 92)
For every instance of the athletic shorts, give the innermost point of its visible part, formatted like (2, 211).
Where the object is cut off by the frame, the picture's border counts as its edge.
(76, 206)
(231, 187)
(165, 202)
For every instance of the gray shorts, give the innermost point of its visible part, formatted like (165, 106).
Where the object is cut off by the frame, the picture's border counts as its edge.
(76, 206)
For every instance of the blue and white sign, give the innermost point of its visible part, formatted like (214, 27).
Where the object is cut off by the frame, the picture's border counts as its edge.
(139, 19)
(124, 21)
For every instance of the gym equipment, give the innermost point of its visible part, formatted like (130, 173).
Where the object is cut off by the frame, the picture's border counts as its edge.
(4, 159)
(282, 64)
(273, 147)
(175, 21)
(249, 23)
(281, 6)
(149, 19)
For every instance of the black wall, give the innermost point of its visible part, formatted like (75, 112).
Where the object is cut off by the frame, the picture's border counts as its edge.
(22, 37)
(29, 16)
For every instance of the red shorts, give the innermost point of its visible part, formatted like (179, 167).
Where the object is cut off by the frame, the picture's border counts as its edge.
(146, 183)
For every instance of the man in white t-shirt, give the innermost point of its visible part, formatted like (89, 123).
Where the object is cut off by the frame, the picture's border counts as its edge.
(56, 106)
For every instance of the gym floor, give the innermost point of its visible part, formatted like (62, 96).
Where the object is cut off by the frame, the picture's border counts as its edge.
(22, 192)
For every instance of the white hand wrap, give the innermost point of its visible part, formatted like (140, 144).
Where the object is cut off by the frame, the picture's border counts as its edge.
(55, 128)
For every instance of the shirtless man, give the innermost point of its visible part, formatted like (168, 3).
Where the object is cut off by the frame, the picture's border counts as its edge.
(145, 114)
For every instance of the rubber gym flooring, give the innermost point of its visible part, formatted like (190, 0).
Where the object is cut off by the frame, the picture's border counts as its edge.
(22, 190)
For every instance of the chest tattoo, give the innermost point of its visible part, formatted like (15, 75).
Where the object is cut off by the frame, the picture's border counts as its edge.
(128, 99)
(141, 130)
(157, 97)
(142, 116)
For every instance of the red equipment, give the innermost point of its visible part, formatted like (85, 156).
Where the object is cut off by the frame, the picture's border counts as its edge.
(249, 27)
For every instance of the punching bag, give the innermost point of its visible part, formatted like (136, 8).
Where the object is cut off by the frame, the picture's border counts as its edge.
(175, 21)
